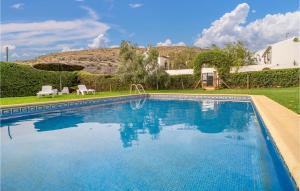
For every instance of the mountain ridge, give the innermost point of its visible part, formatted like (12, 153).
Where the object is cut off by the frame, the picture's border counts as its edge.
(99, 61)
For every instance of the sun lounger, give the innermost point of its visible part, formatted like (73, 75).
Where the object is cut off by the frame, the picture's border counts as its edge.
(65, 90)
(82, 90)
(46, 91)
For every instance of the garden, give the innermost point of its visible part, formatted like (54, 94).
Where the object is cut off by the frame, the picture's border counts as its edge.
(20, 82)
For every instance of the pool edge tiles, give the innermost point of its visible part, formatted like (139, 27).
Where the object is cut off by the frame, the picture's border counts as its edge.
(283, 126)
(220, 97)
(9, 112)
(20, 110)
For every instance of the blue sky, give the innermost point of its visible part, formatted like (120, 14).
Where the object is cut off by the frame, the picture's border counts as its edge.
(31, 28)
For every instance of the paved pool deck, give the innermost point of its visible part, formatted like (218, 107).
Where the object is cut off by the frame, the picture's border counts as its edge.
(284, 127)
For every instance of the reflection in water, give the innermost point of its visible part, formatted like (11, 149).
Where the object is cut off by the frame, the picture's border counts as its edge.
(152, 116)
(50, 123)
(9, 133)
(137, 103)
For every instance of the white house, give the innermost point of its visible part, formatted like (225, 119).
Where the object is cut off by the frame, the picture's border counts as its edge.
(281, 55)
(164, 62)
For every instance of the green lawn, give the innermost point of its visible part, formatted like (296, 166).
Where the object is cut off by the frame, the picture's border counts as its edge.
(288, 97)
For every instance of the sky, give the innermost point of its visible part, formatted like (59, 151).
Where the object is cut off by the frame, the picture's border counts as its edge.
(31, 28)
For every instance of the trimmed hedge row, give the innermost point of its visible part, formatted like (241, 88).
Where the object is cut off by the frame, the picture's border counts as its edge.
(182, 82)
(108, 82)
(264, 79)
(23, 80)
(101, 82)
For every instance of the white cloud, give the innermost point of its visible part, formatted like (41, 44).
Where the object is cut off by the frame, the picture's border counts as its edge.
(231, 27)
(45, 36)
(18, 6)
(168, 42)
(90, 12)
(99, 42)
(79, 0)
(253, 11)
(114, 46)
(135, 5)
(15, 55)
(10, 47)
(68, 49)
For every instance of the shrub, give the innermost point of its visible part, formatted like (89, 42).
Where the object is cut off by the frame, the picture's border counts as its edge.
(23, 80)
(101, 82)
(182, 82)
(265, 78)
(108, 82)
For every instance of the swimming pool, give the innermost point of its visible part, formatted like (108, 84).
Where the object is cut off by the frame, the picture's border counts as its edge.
(143, 144)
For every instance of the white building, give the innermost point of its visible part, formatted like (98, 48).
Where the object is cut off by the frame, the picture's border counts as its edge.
(164, 62)
(281, 55)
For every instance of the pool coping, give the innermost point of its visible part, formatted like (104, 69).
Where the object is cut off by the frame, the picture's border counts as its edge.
(284, 128)
(282, 123)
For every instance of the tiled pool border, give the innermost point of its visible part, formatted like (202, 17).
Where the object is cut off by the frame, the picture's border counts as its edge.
(30, 109)
(10, 112)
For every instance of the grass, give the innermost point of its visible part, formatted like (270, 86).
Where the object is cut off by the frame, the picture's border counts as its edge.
(34, 99)
(288, 97)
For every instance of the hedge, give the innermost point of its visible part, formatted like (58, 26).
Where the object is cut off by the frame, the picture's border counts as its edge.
(182, 82)
(264, 79)
(23, 80)
(101, 82)
(108, 82)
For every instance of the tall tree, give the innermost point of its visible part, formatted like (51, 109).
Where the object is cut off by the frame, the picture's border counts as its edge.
(239, 54)
(131, 68)
(183, 59)
(155, 74)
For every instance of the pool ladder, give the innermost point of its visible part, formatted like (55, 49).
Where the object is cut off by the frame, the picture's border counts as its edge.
(138, 88)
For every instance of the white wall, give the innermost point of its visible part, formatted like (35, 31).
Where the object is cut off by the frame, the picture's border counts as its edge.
(208, 70)
(161, 61)
(189, 71)
(180, 72)
(284, 53)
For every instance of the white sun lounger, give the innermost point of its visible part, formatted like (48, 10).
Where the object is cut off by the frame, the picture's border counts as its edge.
(46, 91)
(82, 90)
(65, 90)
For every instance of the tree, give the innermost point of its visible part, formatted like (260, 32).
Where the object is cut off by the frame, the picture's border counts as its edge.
(235, 54)
(215, 58)
(136, 67)
(239, 54)
(131, 68)
(156, 76)
(183, 59)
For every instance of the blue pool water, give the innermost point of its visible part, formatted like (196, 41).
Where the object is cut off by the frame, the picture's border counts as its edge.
(142, 145)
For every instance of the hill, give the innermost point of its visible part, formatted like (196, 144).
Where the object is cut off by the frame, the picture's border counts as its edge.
(101, 61)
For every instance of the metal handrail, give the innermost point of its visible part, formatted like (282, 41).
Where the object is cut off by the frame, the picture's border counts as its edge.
(138, 87)
(142, 88)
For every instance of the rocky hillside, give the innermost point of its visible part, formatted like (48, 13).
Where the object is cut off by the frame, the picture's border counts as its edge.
(101, 61)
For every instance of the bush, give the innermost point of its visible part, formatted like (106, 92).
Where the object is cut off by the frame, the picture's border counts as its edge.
(182, 82)
(107, 82)
(101, 82)
(23, 80)
(266, 78)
